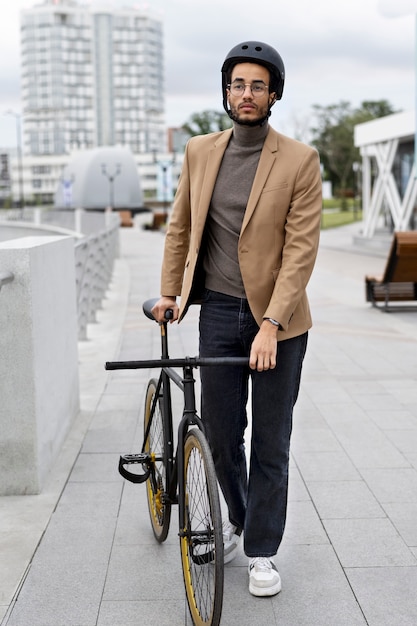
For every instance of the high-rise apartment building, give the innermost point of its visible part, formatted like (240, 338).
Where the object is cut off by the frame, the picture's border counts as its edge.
(91, 77)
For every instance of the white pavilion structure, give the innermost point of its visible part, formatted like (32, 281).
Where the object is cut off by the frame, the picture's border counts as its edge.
(389, 184)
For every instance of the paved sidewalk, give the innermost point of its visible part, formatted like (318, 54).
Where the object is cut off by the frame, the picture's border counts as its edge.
(83, 554)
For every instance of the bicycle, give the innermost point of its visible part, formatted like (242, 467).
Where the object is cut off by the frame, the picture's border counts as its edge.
(186, 478)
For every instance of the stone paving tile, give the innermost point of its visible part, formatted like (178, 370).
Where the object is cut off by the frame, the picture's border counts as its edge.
(405, 440)
(325, 465)
(412, 459)
(315, 440)
(344, 500)
(144, 571)
(133, 524)
(315, 590)
(239, 607)
(297, 490)
(65, 582)
(96, 467)
(111, 431)
(403, 515)
(366, 445)
(386, 594)
(399, 419)
(150, 612)
(391, 485)
(303, 525)
(368, 543)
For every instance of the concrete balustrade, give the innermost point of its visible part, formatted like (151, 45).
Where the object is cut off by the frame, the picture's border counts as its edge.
(39, 387)
(94, 261)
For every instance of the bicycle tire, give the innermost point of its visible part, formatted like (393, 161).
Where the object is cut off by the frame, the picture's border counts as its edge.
(201, 540)
(158, 446)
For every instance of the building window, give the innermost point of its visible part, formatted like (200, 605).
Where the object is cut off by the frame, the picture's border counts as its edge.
(41, 169)
(61, 18)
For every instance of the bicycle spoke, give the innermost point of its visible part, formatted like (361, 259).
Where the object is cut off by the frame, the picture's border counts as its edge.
(201, 540)
(155, 445)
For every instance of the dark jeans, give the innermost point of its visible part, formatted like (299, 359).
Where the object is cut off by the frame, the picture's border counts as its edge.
(257, 502)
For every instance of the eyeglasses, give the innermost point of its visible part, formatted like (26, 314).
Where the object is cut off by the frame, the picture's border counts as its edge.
(238, 88)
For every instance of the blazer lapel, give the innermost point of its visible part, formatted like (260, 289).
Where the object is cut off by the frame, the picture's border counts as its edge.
(214, 159)
(266, 162)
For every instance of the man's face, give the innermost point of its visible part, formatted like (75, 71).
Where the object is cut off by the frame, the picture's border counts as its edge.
(251, 105)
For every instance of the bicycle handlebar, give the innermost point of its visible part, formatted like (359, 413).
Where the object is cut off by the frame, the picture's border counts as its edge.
(188, 361)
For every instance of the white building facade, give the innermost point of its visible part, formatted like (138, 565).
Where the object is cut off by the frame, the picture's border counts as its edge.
(91, 77)
(389, 184)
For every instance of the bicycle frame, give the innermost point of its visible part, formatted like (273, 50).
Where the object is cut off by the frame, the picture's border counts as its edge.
(186, 384)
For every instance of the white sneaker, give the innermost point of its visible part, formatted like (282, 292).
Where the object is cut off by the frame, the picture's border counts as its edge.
(264, 579)
(231, 540)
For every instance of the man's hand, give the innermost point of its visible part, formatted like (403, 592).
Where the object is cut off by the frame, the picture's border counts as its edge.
(263, 354)
(164, 303)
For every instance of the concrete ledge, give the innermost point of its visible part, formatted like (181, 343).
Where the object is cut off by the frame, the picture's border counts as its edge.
(39, 384)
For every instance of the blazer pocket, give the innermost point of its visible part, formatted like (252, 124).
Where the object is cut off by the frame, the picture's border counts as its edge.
(275, 187)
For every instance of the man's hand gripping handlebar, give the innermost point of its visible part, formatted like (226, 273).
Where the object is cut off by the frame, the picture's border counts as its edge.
(166, 308)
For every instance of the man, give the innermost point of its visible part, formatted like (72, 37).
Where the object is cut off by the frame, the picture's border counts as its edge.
(242, 240)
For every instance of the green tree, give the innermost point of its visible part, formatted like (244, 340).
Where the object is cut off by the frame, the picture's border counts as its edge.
(333, 137)
(206, 122)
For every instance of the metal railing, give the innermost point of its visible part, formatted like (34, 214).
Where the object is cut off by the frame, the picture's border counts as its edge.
(94, 260)
(6, 277)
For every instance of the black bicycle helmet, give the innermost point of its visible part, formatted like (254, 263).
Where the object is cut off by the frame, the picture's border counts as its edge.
(254, 52)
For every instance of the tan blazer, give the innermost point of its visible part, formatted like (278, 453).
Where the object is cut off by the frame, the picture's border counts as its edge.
(280, 231)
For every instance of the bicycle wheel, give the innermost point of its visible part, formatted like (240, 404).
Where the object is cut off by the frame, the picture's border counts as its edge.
(157, 445)
(202, 540)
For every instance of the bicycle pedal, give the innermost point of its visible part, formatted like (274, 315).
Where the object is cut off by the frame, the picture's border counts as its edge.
(129, 459)
(135, 459)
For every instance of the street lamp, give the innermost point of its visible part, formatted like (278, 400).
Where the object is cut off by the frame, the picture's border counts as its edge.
(110, 178)
(166, 182)
(19, 157)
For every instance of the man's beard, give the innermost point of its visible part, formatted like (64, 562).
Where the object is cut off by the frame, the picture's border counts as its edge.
(260, 121)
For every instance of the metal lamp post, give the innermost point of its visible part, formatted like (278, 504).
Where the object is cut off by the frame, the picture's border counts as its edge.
(110, 178)
(165, 166)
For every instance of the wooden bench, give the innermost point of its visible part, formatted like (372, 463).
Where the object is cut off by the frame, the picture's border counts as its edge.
(399, 281)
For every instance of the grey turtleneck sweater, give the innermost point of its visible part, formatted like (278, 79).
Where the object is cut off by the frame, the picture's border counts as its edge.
(227, 208)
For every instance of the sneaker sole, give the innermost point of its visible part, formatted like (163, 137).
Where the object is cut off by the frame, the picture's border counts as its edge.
(262, 592)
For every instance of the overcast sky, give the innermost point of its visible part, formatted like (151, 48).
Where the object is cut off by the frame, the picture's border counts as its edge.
(333, 51)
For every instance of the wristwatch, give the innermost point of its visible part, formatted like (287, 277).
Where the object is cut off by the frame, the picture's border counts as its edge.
(274, 322)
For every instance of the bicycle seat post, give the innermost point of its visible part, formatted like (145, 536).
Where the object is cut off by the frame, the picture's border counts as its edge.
(164, 340)
(164, 333)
